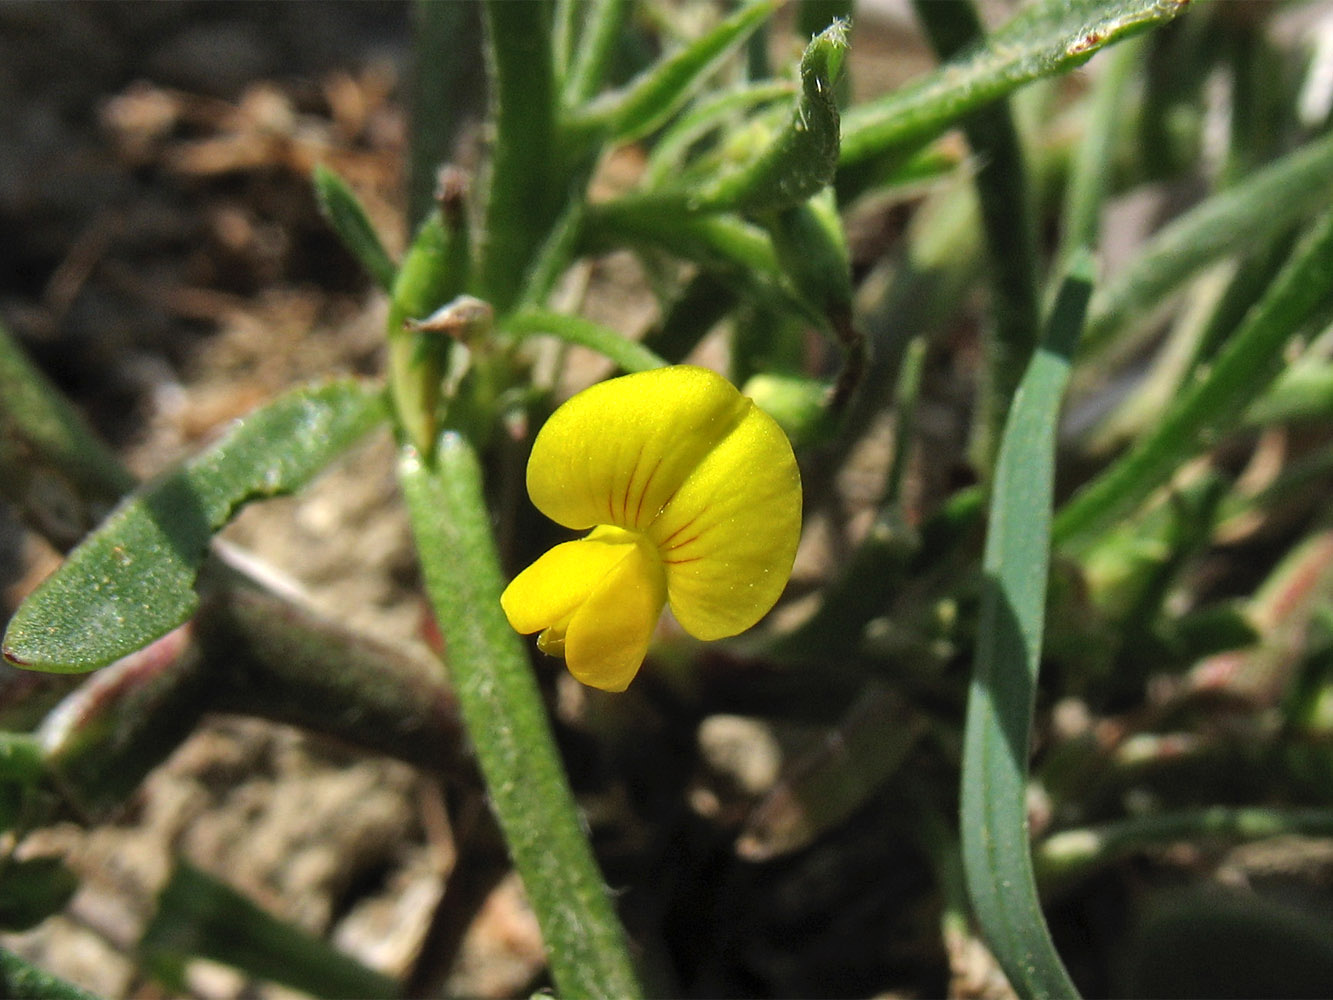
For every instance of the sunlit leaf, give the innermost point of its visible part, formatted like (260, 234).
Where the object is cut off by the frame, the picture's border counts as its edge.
(132, 580)
(996, 854)
(1043, 40)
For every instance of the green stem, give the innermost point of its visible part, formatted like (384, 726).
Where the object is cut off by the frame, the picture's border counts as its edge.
(507, 720)
(907, 392)
(627, 354)
(447, 88)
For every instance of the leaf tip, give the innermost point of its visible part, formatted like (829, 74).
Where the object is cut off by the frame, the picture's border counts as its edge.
(1081, 265)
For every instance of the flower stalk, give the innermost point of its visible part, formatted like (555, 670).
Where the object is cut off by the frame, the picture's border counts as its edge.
(507, 721)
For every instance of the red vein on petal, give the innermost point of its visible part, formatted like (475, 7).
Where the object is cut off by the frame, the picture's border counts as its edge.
(665, 543)
(638, 510)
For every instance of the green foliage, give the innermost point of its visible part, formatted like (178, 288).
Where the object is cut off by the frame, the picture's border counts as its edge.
(344, 213)
(21, 980)
(1220, 392)
(1077, 562)
(646, 103)
(1043, 39)
(199, 916)
(1004, 683)
(500, 701)
(51, 467)
(132, 580)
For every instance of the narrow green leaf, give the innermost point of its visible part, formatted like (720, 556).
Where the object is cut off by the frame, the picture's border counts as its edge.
(792, 165)
(526, 185)
(737, 251)
(434, 271)
(1304, 392)
(131, 581)
(628, 354)
(604, 20)
(269, 658)
(996, 853)
(1090, 172)
(709, 115)
(199, 916)
(52, 467)
(342, 210)
(1216, 401)
(20, 980)
(506, 718)
(812, 17)
(1261, 207)
(801, 159)
(1049, 37)
(647, 101)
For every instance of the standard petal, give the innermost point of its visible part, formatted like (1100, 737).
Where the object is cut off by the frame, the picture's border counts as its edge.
(551, 588)
(616, 452)
(728, 537)
(608, 636)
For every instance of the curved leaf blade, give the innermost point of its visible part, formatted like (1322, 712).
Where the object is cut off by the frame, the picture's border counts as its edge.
(200, 916)
(55, 471)
(131, 581)
(344, 212)
(1048, 38)
(647, 101)
(802, 158)
(996, 854)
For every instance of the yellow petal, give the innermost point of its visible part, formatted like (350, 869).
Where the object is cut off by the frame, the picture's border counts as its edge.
(616, 452)
(728, 536)
(608, 636)
(550, 589)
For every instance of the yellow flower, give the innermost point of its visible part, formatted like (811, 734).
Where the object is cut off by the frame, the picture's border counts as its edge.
(693, 497)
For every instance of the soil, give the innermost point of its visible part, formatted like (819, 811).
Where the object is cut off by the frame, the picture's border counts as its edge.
(165, 264)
